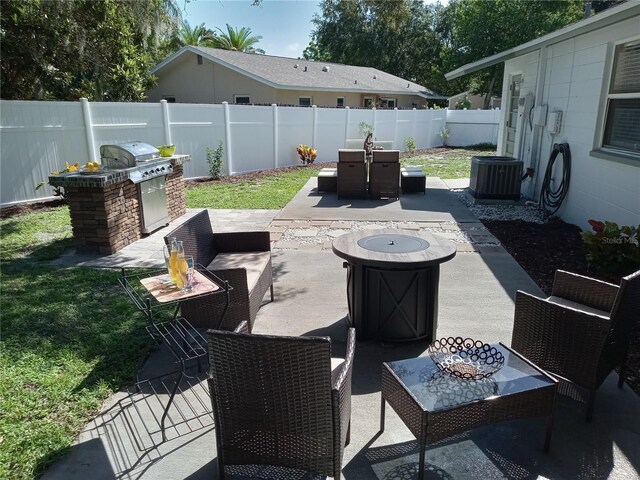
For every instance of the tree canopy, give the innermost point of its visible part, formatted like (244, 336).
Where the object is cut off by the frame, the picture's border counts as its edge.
(422, 42)
(237, 39)
(474, 29)
(67, 49)
(199, 36)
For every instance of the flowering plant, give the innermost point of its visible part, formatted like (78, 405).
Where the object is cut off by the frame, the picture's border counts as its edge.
(307, 154)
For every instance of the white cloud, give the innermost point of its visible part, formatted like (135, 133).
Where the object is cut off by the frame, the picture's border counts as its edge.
(293, 47)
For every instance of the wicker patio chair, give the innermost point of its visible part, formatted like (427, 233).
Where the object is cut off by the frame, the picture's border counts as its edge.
(352, 174)
(384, 174)
(580, 333)
(279, 401)
(242, 258)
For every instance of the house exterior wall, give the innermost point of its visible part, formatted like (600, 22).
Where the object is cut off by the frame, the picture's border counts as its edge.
(575, 75)
(186, 81)
(210, 82)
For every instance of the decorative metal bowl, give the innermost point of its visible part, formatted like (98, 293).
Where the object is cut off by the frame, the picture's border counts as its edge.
(466, 358)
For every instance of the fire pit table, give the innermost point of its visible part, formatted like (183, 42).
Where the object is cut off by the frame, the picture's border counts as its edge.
(392, 282)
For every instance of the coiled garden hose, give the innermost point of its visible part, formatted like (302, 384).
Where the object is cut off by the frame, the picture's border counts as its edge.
(551, 199)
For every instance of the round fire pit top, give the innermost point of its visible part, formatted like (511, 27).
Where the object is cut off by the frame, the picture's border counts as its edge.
(392, 248)
(393, 243)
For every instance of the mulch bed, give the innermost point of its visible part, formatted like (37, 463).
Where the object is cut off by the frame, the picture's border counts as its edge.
(541, 249)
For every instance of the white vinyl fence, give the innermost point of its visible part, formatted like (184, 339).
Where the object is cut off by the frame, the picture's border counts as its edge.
(37, 138)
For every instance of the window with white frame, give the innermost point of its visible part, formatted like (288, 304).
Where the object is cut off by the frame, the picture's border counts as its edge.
(304, 101)
(368, 102)
(386, 102)
(242, 99)
(340, 102)
(622, 118)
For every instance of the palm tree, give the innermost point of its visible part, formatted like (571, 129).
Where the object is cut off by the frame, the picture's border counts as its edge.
(198, 36)
(239, 40)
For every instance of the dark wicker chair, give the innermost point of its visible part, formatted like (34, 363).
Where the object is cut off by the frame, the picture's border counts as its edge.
(352, 174)
(277, 401)
(242, 258)
(580, 333)
(384, 174)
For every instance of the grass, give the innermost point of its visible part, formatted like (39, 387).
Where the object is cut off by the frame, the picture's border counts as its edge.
(271, 191)
(450, 163)
(274, 189)
(70, 338)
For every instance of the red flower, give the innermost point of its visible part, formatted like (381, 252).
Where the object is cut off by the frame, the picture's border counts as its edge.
(596, 225)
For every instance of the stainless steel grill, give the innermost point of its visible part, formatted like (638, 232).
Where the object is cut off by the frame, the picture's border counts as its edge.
(126, 155)
(148, 171)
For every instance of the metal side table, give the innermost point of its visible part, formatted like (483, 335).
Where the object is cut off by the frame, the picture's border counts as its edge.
(160, 302)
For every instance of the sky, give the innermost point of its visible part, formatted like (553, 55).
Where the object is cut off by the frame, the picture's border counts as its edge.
(285, 25)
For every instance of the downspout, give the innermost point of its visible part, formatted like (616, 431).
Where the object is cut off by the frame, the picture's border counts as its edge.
(536, 137)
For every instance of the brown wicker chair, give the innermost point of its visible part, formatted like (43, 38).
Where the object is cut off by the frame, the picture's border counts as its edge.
(242, 258)
(384, 174)
(278, 401)
(352, 174)
(580, 333)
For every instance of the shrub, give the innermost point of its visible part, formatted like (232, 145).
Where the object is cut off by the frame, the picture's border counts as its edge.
(410, 144)
(463, 103)
(612, 249)
(444, 135)
(365, 128)
(214, 159)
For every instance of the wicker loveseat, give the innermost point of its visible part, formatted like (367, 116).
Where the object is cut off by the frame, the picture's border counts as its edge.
(279, 401)
(242, 258)
(580, 333)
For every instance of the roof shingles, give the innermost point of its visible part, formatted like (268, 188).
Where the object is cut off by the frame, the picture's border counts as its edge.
(281, 72)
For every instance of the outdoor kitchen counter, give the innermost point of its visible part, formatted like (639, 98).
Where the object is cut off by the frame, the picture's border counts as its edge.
(105, 177)
(107, 208)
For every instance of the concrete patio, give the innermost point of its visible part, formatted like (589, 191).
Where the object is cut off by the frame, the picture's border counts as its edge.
(477, 289)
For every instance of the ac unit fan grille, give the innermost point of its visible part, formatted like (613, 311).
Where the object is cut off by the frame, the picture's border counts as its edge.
(495, 177)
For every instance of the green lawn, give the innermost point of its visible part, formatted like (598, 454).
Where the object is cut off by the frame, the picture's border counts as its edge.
(451, 163)
(270, 191)
(70, 339)
(275, 189)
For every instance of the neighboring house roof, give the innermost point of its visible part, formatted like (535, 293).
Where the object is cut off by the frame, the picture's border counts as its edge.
(601, 20)
(282, 73)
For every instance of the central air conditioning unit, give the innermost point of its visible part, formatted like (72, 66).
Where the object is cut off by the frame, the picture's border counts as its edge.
(495, 177)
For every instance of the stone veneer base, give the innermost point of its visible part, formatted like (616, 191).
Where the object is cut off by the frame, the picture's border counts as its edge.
(107, 219)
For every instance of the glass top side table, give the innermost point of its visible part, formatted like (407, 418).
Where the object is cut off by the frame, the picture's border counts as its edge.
(435, 405)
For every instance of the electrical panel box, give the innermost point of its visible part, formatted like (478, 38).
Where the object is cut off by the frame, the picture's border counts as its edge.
(554, 122)
(540, 115)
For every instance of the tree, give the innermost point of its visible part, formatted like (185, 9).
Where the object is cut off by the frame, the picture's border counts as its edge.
(199, 36)
(67, 49)
(396, 37)
(239, 40)
(313, 52)
(476, 29)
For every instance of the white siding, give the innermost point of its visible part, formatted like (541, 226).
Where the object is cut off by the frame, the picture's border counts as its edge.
(575, 75)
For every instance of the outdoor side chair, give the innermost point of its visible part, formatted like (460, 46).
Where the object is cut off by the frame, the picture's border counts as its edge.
(352, 173)
(241, 258)
(580, 333)
(279, 401)
(384, 174)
